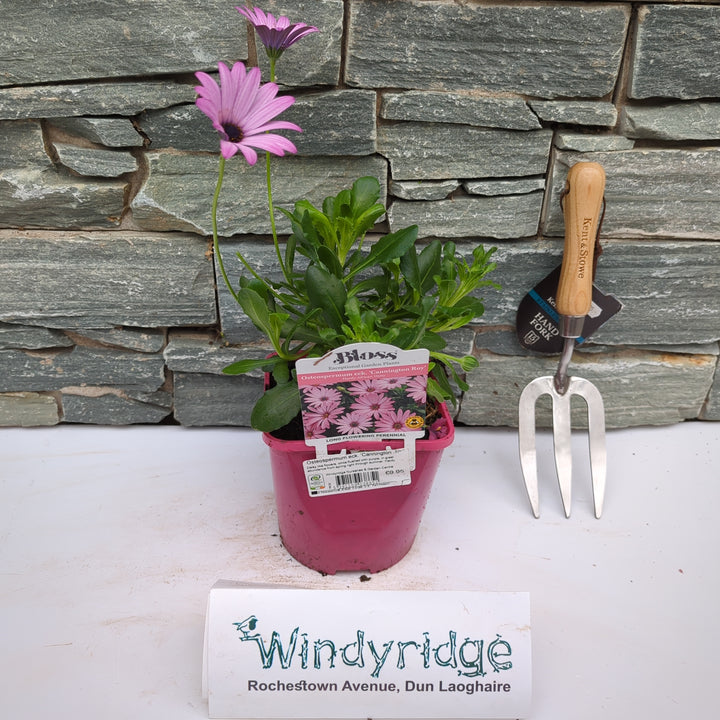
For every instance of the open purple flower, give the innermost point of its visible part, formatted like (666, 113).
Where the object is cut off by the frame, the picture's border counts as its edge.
(394, 421)
(242, 111)
(276, 35)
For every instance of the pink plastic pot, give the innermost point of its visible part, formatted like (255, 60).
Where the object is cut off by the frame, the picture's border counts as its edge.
(367, 530)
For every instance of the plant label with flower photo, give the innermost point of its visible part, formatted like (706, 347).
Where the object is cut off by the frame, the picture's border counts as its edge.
(362, 391)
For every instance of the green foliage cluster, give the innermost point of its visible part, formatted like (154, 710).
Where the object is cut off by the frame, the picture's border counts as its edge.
(389, 291)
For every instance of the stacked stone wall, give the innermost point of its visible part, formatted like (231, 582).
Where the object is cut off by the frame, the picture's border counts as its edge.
(469, 113)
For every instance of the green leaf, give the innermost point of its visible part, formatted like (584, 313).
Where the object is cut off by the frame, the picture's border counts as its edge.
(440, 390)
(365, 221)
(429, 265)
(281, 373)
(417, 328)
(410, 269)
(432, 341)
(352, 311)
(387, 248)
(330, 260)
(255, 307)
(277, 407)
(290, 246)
(365, 192)
(439, 380)
(327, 292)
(377, 285)
(393, 246)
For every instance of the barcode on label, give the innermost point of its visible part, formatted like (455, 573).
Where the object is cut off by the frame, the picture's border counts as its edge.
(357, 472)
(370, 477)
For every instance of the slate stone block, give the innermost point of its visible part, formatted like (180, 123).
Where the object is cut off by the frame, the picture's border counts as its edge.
(110, 132)
(423, 190)
(544, 50)
(491, 188)
(499, 341)
(671, 57)
(183, 127)
(95, 162)
(510, 216)
(341, 122)
(46, 199)
(110, 98)
(207, 400)
(23, 337)
(466, 109)
(669, 291)
(666, 193)
(437, 151)
(149, 340)
(585, 142)
(459, 342)
(178, 192)
(203, 353)
(34, 194)
(109, 408)
(675, 121)
(638, 387)
(28, 409)
(79, 366)
(98, 280)
(85, 39)
(22, 146)
(576, 112)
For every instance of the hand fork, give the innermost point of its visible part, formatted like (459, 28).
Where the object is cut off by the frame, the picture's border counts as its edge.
(583, 201)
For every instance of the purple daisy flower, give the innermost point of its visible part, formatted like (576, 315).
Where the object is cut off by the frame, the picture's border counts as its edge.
(394, 421)
(318, 394)
(439, 429)
(322, 416)
(276, 35)
(372, 405)
(417, 389)
(371, 385)
(242, 111)
(353, 423)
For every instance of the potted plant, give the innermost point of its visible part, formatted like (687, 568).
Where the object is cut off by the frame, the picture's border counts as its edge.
(338, 288)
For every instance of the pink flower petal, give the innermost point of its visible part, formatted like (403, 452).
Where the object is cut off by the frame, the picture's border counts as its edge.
(243, 112)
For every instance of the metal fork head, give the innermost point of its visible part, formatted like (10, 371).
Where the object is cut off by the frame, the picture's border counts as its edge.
(561, 438)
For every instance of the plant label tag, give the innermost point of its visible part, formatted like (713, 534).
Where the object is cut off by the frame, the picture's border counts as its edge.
(351, 472)
(366, 392)
(290, 653)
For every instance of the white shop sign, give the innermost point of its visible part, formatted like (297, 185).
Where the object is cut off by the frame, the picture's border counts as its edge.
(287, 653)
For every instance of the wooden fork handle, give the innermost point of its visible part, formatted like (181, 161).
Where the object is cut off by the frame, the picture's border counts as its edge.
(582, 207)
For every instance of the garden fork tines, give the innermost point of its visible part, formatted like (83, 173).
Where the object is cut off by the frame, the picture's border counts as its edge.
(582, 208)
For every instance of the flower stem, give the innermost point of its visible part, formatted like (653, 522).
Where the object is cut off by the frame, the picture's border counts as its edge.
(271, 208)
(216, 244)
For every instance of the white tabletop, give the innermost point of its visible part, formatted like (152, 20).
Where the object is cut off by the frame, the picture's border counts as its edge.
(110, 539)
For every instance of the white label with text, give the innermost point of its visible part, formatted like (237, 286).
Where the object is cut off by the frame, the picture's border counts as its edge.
(352, 472)
(286, 653)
